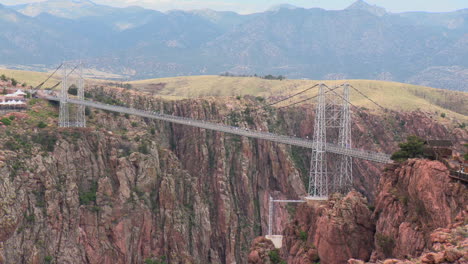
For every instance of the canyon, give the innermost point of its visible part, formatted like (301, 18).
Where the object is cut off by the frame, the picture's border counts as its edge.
(130, 190)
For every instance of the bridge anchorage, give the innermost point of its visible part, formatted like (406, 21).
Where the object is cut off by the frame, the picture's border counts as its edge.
(72, 79)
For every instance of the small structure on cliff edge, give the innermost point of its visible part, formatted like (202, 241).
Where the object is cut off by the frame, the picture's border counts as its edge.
(438, 149)
(442, 150)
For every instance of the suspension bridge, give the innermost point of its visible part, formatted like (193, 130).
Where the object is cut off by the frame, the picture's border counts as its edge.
(332, 113)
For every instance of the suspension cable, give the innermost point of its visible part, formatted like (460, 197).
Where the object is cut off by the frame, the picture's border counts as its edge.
(289, 97)
(58, 83)
(344, 99)
(50, 76)
(367, 97)
(310, 98)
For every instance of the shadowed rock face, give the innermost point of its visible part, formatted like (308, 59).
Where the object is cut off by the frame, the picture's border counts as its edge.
(190, 195)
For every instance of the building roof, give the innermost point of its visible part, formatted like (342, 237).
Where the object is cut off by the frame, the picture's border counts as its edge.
(440, 143)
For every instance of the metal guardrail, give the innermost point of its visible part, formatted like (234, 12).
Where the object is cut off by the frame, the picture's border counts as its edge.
(458, 175)
(294, 141)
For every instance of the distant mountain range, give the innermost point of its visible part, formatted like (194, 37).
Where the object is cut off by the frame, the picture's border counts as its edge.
(359, 42)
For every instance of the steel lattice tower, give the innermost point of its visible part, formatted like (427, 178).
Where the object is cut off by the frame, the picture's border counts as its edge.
(332, 113)
(80, 113)
(64, 115)
(318, 184)
(345, 172)
(64, 118)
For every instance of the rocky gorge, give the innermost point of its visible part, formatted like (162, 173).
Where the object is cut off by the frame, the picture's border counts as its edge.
(133, 190)
(420, 216)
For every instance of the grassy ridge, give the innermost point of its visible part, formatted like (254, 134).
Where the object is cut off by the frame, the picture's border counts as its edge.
(31, 78)
(392, 95)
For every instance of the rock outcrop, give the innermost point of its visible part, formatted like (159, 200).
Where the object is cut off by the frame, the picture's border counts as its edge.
(447, 245)
(420, 217)
(261, 250)
(415, 198)
(333, 232)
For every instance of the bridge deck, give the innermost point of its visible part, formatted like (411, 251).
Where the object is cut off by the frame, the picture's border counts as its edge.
(294, 141)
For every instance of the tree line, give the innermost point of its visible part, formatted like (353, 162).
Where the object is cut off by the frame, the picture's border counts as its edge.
(266, 77)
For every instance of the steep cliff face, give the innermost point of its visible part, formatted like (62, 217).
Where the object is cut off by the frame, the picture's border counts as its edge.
(87, 203)
(124, 196)
(418, 209)
(414, 199)
(129, 189)
(333, 232)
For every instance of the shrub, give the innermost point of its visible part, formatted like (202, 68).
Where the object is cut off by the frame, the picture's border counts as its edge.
(30, 218)
(12, 117)
(134, 124)
(89, 197)
(303, 235)
(14, 82)
(443, 115)
(11, 145)
(412, 148)
(48, 259)
(152, 131)
(46, 140)
(41, 124)
(6, 121)
(143, 148)
(3, 78)
(73, 90)
(386, 243)
(274, 256)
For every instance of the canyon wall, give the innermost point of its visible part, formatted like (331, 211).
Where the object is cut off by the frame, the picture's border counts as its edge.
(129, 189)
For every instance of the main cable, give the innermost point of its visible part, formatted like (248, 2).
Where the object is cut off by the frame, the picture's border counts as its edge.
(367, 97)
(310, 98)
(50, 76)
(57, 84)
(291, 96)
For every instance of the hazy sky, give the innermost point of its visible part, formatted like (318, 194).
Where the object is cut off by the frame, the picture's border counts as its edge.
(248, 6)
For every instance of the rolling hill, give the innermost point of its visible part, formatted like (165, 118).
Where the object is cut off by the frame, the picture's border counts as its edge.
(391, 95)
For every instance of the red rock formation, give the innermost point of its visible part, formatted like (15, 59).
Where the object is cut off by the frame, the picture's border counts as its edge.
(447, 245)
(414, 199)
(333, 232)
(260, 250)
(191, 195)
